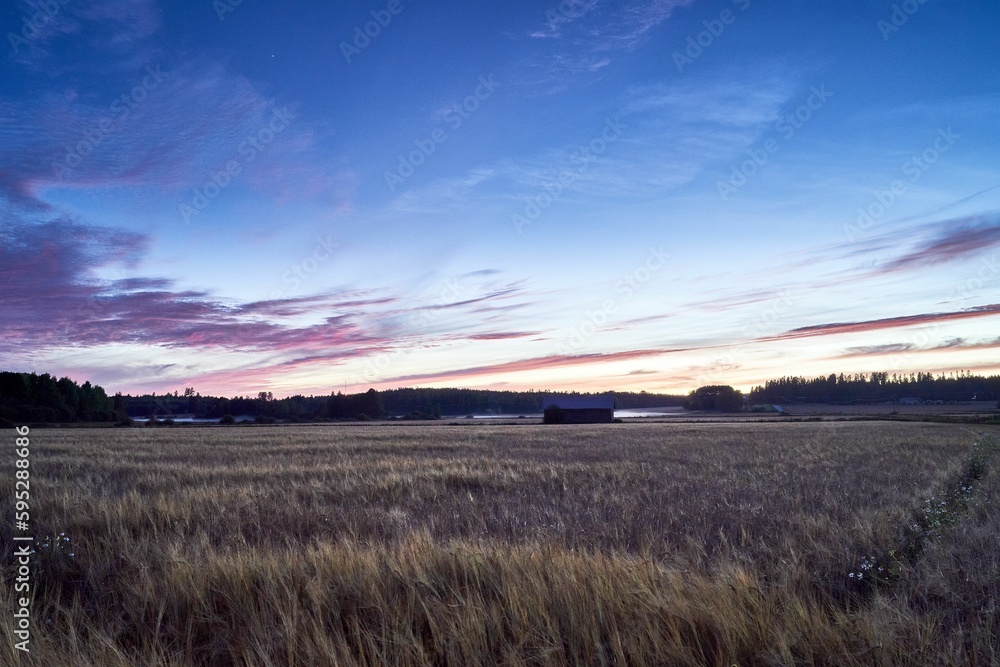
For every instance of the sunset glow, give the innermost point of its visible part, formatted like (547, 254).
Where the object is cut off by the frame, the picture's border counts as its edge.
(311, 197)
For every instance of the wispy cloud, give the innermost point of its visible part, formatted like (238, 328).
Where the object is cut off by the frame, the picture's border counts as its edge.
(891, 253)
(966, 345)
(839, 328)
(536, 363)
(52, 295)
(912, 243)
(123, 24)
(585, 35)
(192, 121)
(956, 239)
(950, 345)
(564, 15)
(666, 135)
(503, 335)
(877, 350)
(745, 298)
(116, 25)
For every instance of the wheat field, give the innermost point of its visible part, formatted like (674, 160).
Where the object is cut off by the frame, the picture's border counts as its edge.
(821, 543)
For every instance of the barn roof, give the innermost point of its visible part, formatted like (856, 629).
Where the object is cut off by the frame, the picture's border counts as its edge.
(578, 402)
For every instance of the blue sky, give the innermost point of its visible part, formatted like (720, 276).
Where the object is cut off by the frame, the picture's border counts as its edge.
(649, 195)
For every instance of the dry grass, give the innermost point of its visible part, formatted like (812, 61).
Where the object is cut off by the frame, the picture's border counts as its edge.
(712, 544)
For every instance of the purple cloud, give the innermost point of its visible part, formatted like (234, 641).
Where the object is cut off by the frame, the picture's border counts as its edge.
(503, 335)
(877, 350)
(960, 238)
(838, 328)
(536, 363)
(53, 296)
(896, 348)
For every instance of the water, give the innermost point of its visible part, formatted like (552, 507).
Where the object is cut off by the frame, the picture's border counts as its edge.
(527, 415)
(623, 414)
(651, 412)
(191, 420)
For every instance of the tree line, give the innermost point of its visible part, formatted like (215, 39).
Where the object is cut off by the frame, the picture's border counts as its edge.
(879, 387)
(263, 405)
(28, 397)
(33, 398)
(410, 402)
(716, 397)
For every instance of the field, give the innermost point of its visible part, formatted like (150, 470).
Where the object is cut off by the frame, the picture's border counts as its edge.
(819, 543)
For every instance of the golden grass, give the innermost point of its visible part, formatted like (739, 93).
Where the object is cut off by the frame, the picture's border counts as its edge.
(710, 544)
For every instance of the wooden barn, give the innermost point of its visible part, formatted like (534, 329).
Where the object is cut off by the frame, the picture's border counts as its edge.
(578, 409)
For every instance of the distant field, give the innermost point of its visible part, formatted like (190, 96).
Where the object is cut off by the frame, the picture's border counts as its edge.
(684, 544)
(957, 408)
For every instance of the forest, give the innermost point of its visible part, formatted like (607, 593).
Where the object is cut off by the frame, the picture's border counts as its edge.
(413, 403)
(879, 388)
(33, 398)
(27, 397)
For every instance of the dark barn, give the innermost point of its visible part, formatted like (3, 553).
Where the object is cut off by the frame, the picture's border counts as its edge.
(583, 409)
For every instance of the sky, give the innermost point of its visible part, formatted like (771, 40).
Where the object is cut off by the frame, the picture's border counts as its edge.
(648, 195)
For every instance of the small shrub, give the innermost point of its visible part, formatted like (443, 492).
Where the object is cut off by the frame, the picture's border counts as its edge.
(227, 420)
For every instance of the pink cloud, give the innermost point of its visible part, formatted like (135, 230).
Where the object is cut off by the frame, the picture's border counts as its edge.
(49, 287)
(553, 361)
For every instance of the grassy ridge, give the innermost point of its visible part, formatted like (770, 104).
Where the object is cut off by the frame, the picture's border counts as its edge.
(647, 544)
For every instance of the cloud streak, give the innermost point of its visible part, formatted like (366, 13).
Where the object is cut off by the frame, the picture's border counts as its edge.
(960, 238)
(839, 328)
(537, 363)
(953, 344)
(185, 125)
(666, 134)
(586, 34)
(52, 295)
